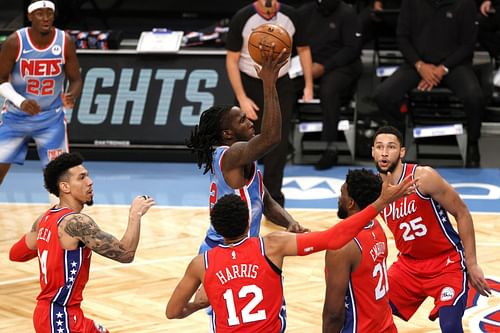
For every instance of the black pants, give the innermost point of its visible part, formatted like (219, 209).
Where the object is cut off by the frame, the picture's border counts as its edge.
(461, 80)
(335, 85)
(275, 160)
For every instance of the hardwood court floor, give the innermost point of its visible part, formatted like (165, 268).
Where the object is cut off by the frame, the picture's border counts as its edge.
(132, 297)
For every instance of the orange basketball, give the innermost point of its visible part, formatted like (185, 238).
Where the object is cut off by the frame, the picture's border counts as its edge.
(265, 35)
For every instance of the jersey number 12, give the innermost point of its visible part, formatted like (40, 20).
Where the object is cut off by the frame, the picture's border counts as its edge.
(246, 315)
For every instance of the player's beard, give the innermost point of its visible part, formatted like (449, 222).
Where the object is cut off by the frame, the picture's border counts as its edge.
(341, 212)
(392, 166)
(90, 202)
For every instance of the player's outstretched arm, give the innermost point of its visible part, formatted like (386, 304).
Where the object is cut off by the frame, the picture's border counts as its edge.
(83, 228)
(244, 153)
(179, 306)
(340, 234)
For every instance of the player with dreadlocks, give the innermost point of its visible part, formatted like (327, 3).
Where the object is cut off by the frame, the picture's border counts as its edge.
(226, 144)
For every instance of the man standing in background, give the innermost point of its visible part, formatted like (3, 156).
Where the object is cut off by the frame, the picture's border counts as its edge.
(247, 86)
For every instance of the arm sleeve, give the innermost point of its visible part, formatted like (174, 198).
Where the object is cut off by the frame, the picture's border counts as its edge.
(337, 236)
(21, 252)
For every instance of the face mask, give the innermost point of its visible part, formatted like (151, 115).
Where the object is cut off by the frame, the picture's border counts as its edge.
(326, 7)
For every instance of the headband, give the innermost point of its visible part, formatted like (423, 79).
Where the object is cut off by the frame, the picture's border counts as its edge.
(41, 4)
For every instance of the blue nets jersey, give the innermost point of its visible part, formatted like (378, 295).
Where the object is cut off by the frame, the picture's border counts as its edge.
(252, 193)
(39, 73)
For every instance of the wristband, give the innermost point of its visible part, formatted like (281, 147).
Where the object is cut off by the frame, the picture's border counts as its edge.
(8, 92)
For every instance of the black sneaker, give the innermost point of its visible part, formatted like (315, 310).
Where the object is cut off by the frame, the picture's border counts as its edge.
(327, 160)
(473, 158)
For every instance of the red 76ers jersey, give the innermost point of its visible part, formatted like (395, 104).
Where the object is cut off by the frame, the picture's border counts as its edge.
(63, 273)
(245, 291)
(367, 293)
(421, 227)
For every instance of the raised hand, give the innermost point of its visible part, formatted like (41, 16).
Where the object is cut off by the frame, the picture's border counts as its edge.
(271, 64)
(392, 192)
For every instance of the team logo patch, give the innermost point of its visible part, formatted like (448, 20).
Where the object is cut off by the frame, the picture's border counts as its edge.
(447, 294)
(56, 50)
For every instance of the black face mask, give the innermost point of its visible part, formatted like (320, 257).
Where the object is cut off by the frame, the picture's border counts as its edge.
(326, 7)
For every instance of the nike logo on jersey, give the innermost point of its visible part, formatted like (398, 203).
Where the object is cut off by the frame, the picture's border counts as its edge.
(27, 51)
(449, 261)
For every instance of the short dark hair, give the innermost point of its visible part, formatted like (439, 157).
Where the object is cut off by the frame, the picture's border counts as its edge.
(363, 186)
(389, 130)
(58, 169)
(229, 216)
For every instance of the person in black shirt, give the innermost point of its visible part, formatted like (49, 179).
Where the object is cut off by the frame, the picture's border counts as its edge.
(489, 27)
(437, 39)
(335, 39)
(373, 21)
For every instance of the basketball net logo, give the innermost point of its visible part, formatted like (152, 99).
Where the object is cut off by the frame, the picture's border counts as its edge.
(483, 313)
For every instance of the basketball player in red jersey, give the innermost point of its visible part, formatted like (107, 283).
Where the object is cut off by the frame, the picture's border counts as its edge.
(242, 277)
(434, 260)
(63, 239)
(356, 275)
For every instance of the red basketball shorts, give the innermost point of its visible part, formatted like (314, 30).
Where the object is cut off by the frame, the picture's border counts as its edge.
(412, 280)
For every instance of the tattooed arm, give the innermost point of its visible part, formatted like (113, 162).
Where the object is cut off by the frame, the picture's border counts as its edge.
(83, 228)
